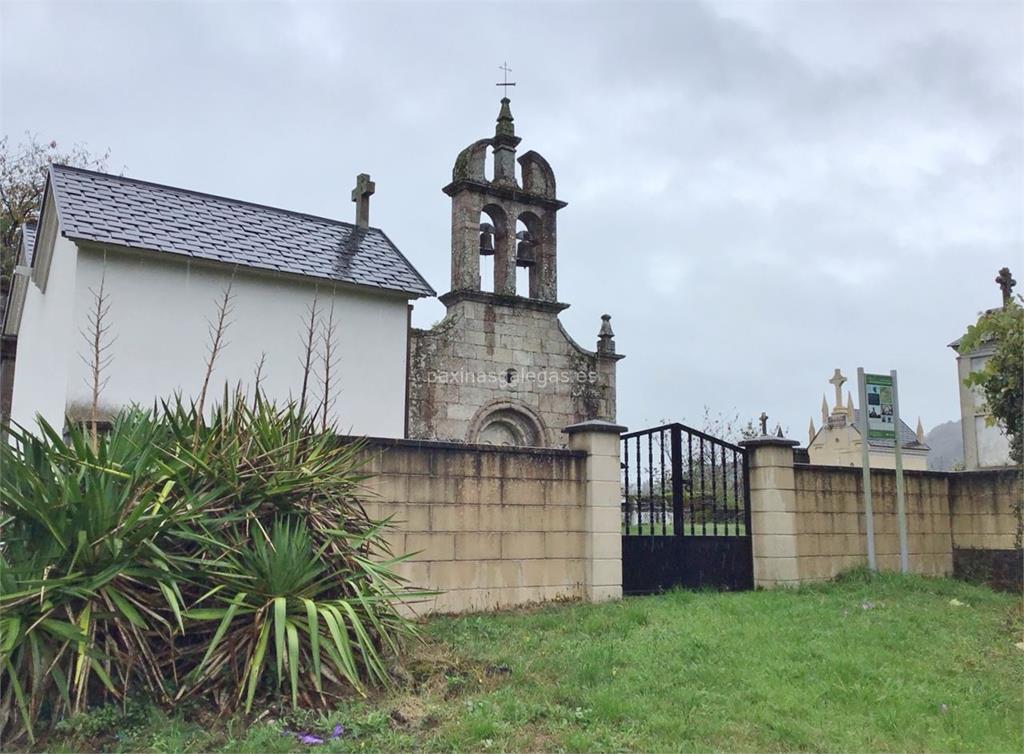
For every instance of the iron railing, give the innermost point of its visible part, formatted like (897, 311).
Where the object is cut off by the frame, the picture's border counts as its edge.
(680, 481)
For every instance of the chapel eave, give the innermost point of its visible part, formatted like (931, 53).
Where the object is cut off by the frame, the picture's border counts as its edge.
(264, 272)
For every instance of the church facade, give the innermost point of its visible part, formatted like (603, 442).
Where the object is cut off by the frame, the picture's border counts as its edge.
(500, 368)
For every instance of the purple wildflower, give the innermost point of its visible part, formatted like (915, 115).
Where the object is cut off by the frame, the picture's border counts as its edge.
(339, 729)
(309, 738)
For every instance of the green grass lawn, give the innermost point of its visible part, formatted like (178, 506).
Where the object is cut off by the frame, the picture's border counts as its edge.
(890, 664)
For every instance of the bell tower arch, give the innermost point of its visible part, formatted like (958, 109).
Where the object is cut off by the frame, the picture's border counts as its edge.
(503, 202)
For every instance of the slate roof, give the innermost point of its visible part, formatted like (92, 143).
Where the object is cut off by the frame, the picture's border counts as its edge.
(908, 437)
(109, 209)
(28, 241)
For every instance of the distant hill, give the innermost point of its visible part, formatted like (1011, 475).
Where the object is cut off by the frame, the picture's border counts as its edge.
(947, 446)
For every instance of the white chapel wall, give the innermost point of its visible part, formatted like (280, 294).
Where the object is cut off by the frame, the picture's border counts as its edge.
(46, 339)
(159, 313)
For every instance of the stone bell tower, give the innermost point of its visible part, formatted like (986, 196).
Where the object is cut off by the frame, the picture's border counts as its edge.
(500, 368)
(505, 204)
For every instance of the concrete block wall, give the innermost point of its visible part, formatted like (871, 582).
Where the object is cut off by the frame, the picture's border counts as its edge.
(981, 504)
(832, 535)
(495, 527)
(498, 527)
(773, 515)
(602, 522)
(808, 521)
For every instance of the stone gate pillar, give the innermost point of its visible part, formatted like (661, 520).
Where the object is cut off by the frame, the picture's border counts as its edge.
(603, 518)
(773, 514)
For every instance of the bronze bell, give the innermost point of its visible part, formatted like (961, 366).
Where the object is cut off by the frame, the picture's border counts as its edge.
(525, 256)
(486, 239)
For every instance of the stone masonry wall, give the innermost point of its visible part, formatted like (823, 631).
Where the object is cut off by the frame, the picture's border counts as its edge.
(491, 527)
(500, 358)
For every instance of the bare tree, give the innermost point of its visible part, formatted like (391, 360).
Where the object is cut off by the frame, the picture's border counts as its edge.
(258, 380)
(99, 357)
(310, 346)
(23, 171)
(328, 364)
(217, 344)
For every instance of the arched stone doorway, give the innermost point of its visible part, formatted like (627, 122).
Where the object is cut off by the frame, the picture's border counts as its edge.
(507, 424)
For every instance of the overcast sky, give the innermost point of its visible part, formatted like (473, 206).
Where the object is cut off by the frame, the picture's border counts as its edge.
(758, 192)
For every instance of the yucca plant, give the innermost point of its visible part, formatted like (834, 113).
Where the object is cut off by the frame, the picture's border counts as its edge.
(279, 601)
(87, 594)
(181, 553)
(273, 469)
(266, 459)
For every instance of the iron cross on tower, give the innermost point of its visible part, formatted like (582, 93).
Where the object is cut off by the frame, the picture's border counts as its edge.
(505, 72)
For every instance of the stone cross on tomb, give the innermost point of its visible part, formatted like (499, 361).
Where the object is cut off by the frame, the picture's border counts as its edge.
(505, 72)
(361, 196)
(763, 418)
(838, 380)
(1006, 282)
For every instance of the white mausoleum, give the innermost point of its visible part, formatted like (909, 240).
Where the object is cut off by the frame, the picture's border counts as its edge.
(985, 444)
(839, 442)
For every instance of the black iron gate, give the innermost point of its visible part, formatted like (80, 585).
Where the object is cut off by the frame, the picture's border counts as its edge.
(685, 512)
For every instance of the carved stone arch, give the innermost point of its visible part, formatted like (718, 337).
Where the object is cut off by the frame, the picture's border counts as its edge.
(508, 423)
(469, 165)
(498, 216)
(533, 223)
(538, 177)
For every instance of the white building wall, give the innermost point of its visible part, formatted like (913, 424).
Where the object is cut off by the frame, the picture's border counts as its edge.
(159, 313)
(160, 310)
(993, 445)
(984, 446)
(45, 340)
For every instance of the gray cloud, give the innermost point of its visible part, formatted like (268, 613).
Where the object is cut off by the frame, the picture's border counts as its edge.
(759, 192)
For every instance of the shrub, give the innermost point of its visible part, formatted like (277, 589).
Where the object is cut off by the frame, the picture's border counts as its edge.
(182, 555)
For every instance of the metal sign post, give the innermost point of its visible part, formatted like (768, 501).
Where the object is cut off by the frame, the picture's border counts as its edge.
(880, 420)
(869, 518)
(901, 513)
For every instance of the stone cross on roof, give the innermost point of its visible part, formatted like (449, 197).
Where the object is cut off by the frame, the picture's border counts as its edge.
(1006, 282)
(361, 196)
(838, 380)
(763, 418)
